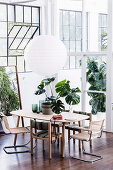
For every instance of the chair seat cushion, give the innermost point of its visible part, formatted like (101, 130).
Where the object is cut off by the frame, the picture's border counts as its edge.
(39, 125)
(44, 134)
(70, 126)
(84, 136)
(19, 130)
(73, 127)
(56, 124)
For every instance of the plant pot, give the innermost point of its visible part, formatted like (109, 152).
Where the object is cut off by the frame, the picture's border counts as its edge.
(46, 109)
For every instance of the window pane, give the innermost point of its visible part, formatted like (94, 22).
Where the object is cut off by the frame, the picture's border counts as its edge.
(97, 106)
(11, 61)
(3, 29)
(15, 43)
(61, 17)
(78, 19)
(97, 66)
(20, 64)
(30, 32)
(23, 44)
(72, 18)
(35, 15)
(104, 21)
(14, 31)
(22, 32)
(66, 66)
(66, 43)
(78, 62)
(72, 32)
(27, 14)
(10, 13)
(78, 33)
(102, 36)
(65, 18)
(78, 46)
(66, 32)
(36, 33)
(3, 47)
(72, 46)
(72, 62)
(3, 61)
(19, 14)
(3, 13)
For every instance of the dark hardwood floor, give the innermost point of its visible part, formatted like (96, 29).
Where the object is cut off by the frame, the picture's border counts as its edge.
(40, 161)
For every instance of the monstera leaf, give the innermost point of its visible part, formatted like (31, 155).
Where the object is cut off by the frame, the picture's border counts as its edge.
(62, 88)
(47, 81)
(57, 106)
(40, 90)
(72, 98)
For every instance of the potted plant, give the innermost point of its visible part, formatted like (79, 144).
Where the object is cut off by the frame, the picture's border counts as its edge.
(46, 105)
(63, 90)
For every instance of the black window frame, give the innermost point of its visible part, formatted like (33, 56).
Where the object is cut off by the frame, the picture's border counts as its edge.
(30, 25)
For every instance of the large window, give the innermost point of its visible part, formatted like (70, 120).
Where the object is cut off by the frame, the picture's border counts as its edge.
(18, 25)
(102, 32)
(71, 34)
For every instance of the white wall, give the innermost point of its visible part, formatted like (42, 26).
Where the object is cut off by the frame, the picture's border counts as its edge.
(28, 85)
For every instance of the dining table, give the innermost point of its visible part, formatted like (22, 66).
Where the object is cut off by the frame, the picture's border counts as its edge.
(67, 117)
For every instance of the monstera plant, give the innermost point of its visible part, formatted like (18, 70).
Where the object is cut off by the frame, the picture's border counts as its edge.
(63, 90)
(96, 76)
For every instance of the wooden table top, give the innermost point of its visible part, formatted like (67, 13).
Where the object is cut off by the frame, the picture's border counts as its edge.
(67, 116)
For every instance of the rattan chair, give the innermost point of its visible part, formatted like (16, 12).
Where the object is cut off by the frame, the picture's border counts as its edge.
(73, 126)
(42, 133)
(17, 130)
(88, 134)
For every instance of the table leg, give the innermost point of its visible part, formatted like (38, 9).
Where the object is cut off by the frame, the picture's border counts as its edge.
(49, 140)
(58, 130)
(43, 145)
(31, 136)
(80, 131)
(15, 139)
(63, 140)
(22, 121)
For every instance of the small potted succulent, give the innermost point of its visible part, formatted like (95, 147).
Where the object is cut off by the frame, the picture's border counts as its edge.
(63, 90)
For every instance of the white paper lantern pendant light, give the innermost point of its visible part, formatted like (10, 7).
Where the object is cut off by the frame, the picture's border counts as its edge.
(45, 55)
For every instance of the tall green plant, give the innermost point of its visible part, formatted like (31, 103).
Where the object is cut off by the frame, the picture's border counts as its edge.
(96, 76)
(8, 97)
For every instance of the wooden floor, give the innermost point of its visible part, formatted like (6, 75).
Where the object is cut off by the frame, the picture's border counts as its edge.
(40, 161)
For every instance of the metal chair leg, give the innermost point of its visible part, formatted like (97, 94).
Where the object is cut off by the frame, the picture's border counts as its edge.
(98, 157)
(15, 147)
